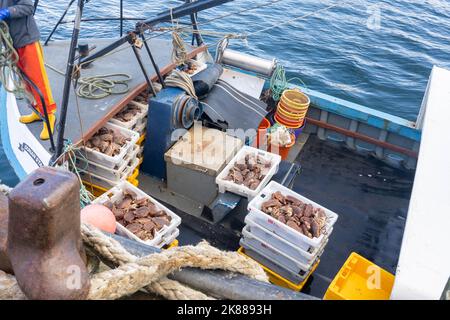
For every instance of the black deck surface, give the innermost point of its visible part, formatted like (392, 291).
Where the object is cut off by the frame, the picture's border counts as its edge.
(370, 198)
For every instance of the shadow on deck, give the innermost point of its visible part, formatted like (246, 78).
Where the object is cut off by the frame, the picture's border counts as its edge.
(370, 198)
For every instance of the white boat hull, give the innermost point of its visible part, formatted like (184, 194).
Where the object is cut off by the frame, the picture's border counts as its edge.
(24, 151)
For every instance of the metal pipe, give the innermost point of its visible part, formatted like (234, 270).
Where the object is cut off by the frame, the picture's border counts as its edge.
(59, 22)
(248, 62)
(36, 3)
(121, 18)
(221, 284)
(141, 64)
(68, 79)
(116, 19)
(195, 35)
(155, 65)
(178, 12)
(141, 27)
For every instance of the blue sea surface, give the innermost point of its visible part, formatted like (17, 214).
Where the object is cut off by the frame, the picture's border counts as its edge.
(375, 53)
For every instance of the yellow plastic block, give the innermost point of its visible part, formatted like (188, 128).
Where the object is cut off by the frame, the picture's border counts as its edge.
(360, 279)
(134, 182)
(141, 139)
(134, 175)
(97, 191)
(172, 245)
(280, 281)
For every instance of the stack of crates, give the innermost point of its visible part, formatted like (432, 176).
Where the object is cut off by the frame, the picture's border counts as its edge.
(100, 172)
(100, 175)
(288, 256)
(140, 126)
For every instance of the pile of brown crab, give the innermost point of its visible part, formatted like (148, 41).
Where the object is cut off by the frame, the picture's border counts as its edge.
(128, 113)
(296, 214)
(140, 216)
(107, 141)
(142, 98)
(190, 68)
(249, 172)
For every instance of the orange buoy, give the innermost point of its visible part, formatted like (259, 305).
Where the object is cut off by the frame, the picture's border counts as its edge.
(99, 216)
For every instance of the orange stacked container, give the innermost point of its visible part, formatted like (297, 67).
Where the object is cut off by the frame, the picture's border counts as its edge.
(292, 108)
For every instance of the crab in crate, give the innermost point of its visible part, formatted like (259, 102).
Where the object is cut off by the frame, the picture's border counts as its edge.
(128, 113)
(140, 216)
(300, 216)
(107, 141)
(249, 172)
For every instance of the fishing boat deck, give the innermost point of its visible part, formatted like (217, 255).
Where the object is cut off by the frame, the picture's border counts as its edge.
(92, 114)
(370, 198)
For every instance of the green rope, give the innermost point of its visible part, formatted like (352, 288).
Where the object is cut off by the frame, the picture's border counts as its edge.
(99, 87)
(74, 153)
(278, 82)
(10, 74)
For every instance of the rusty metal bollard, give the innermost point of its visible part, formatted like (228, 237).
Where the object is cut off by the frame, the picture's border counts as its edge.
(5, 265)
(44, 238)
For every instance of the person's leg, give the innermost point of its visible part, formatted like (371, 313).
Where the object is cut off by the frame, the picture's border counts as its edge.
(31, 62)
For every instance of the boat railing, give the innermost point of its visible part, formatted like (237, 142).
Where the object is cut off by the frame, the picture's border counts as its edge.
(121, 19)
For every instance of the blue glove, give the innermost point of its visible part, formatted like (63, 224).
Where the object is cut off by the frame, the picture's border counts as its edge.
(4, 14)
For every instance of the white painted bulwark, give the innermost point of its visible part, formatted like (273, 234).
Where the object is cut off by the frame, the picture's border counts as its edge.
(424, 266)
(28, 151)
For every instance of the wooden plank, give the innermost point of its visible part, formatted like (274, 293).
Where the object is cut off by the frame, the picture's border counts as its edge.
(363, 137)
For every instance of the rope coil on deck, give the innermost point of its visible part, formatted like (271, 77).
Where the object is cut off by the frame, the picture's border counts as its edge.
(148, 273)
(102, 86)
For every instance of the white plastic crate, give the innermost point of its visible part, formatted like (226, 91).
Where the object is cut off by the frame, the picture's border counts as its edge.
(143, 119)
(281, 229)
(225, 185)
(136, 120)
(141, 129)
(167, 240)
(112, 162)
(296, 278)
(282, 245)
(103, 182)
(274, 254)
(164, 236)
(140, 152)
(112, 174)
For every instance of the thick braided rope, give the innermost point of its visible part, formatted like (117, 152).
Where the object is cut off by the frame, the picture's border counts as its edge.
(139, 273)
(174, 290)
(148, 272)
(112, 251)
(9, 289)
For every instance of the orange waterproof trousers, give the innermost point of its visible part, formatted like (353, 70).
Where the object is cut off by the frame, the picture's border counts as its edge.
(31, 62)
